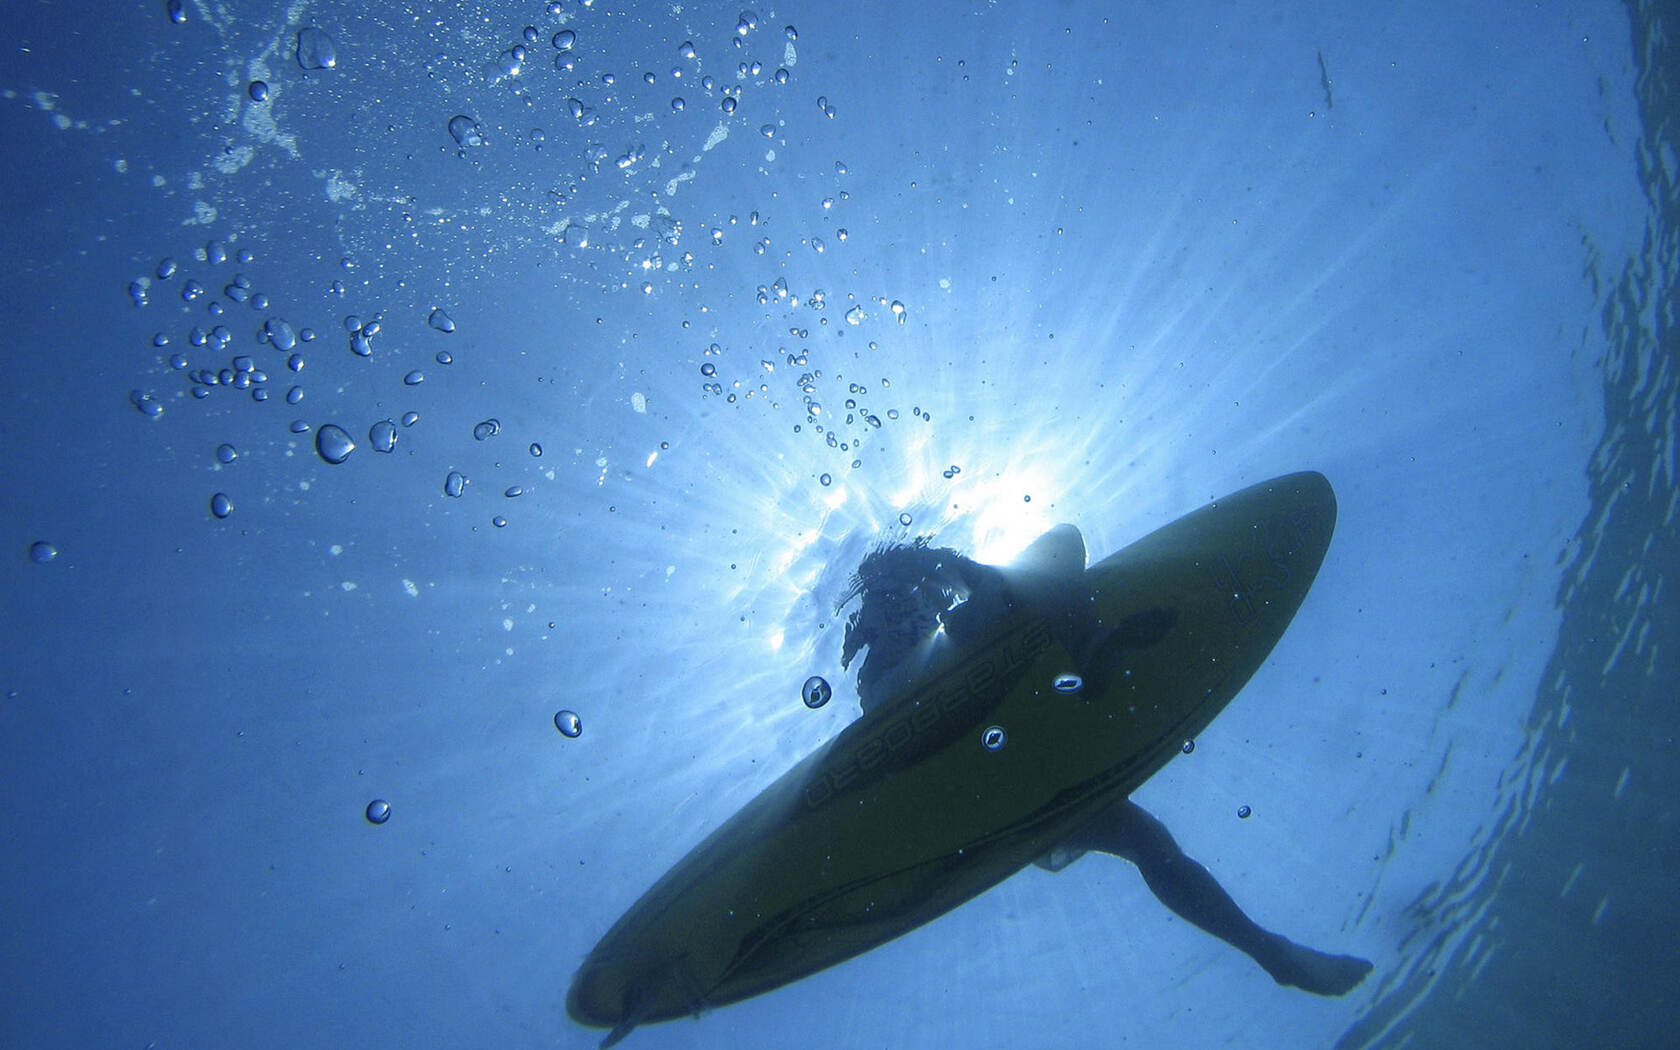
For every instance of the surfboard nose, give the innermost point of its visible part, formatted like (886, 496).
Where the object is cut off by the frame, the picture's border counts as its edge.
(1314, 500)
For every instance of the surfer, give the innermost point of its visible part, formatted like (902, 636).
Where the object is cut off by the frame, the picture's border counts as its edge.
(917, 602)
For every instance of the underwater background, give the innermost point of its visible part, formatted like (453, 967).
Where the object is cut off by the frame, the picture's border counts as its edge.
(386, 382)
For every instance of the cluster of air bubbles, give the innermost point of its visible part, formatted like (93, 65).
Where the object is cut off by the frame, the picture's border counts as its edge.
(362, 333)
(816, 691)
(486, 429)
(952, 471)
(145, 404)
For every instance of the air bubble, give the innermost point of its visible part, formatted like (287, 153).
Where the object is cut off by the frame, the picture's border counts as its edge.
(378, 811)
(816, 692)
(441, 321)
(315, 49)
(569, 724)
(41, 552)
(220, 505)
(1068, 682)
(382, 436)
(454, 484)
(465, 130)
(993, 738)
(333, 444)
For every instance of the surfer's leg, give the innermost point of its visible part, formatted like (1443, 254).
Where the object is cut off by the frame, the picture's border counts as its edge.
(1127, 830)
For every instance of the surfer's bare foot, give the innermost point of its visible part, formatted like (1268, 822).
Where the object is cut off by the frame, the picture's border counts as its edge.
(1316, 972)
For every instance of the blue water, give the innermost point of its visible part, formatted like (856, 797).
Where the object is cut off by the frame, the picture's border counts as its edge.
(988, 267)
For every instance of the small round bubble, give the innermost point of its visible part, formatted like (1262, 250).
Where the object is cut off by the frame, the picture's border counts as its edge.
(226, 453)
(1243, 812)
(258, 91)
(378, 811)
(454, 484)
(220, 505)
(1188, 747)
(41, 552)
(1067, 682)
(816, 691)
(993, 738)
(569, 724)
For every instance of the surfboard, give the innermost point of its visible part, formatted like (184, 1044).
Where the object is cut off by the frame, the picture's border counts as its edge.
(988, 759)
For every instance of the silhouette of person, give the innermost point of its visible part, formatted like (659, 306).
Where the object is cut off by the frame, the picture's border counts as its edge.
(915, 599)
